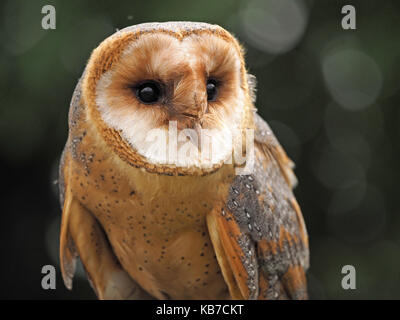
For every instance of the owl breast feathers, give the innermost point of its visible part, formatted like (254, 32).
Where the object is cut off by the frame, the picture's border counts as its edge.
(172, 186)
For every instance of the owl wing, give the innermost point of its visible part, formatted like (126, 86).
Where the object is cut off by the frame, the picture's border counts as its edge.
(82, 235)
(258, 232)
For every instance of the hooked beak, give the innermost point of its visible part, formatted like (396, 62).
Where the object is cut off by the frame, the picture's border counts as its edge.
(196, 116)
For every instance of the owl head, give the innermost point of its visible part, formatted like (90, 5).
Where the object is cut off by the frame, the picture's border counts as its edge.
(172, 97)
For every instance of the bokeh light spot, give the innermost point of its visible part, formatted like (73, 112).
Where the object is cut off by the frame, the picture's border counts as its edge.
(274, 26)
(353, 79)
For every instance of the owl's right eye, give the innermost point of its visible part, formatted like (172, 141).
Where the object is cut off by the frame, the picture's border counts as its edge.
(148, 92)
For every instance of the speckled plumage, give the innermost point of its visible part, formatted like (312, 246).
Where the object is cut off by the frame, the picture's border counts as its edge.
(144, 230)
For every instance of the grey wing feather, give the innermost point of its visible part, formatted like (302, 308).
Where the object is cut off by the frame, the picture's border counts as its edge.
(266, 138)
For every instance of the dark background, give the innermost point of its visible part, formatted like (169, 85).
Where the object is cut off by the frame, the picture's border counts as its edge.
(330, 95)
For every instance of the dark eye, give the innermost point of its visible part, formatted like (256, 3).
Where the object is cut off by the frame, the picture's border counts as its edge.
(211, 89)
(148, 92)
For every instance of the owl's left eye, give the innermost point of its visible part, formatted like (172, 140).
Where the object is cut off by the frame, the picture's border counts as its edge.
(148, 92)
(211, 89)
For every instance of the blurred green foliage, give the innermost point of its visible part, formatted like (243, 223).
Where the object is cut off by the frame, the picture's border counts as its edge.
(330, 95)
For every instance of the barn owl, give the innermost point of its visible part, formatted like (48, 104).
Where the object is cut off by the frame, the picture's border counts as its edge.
(148, 216)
